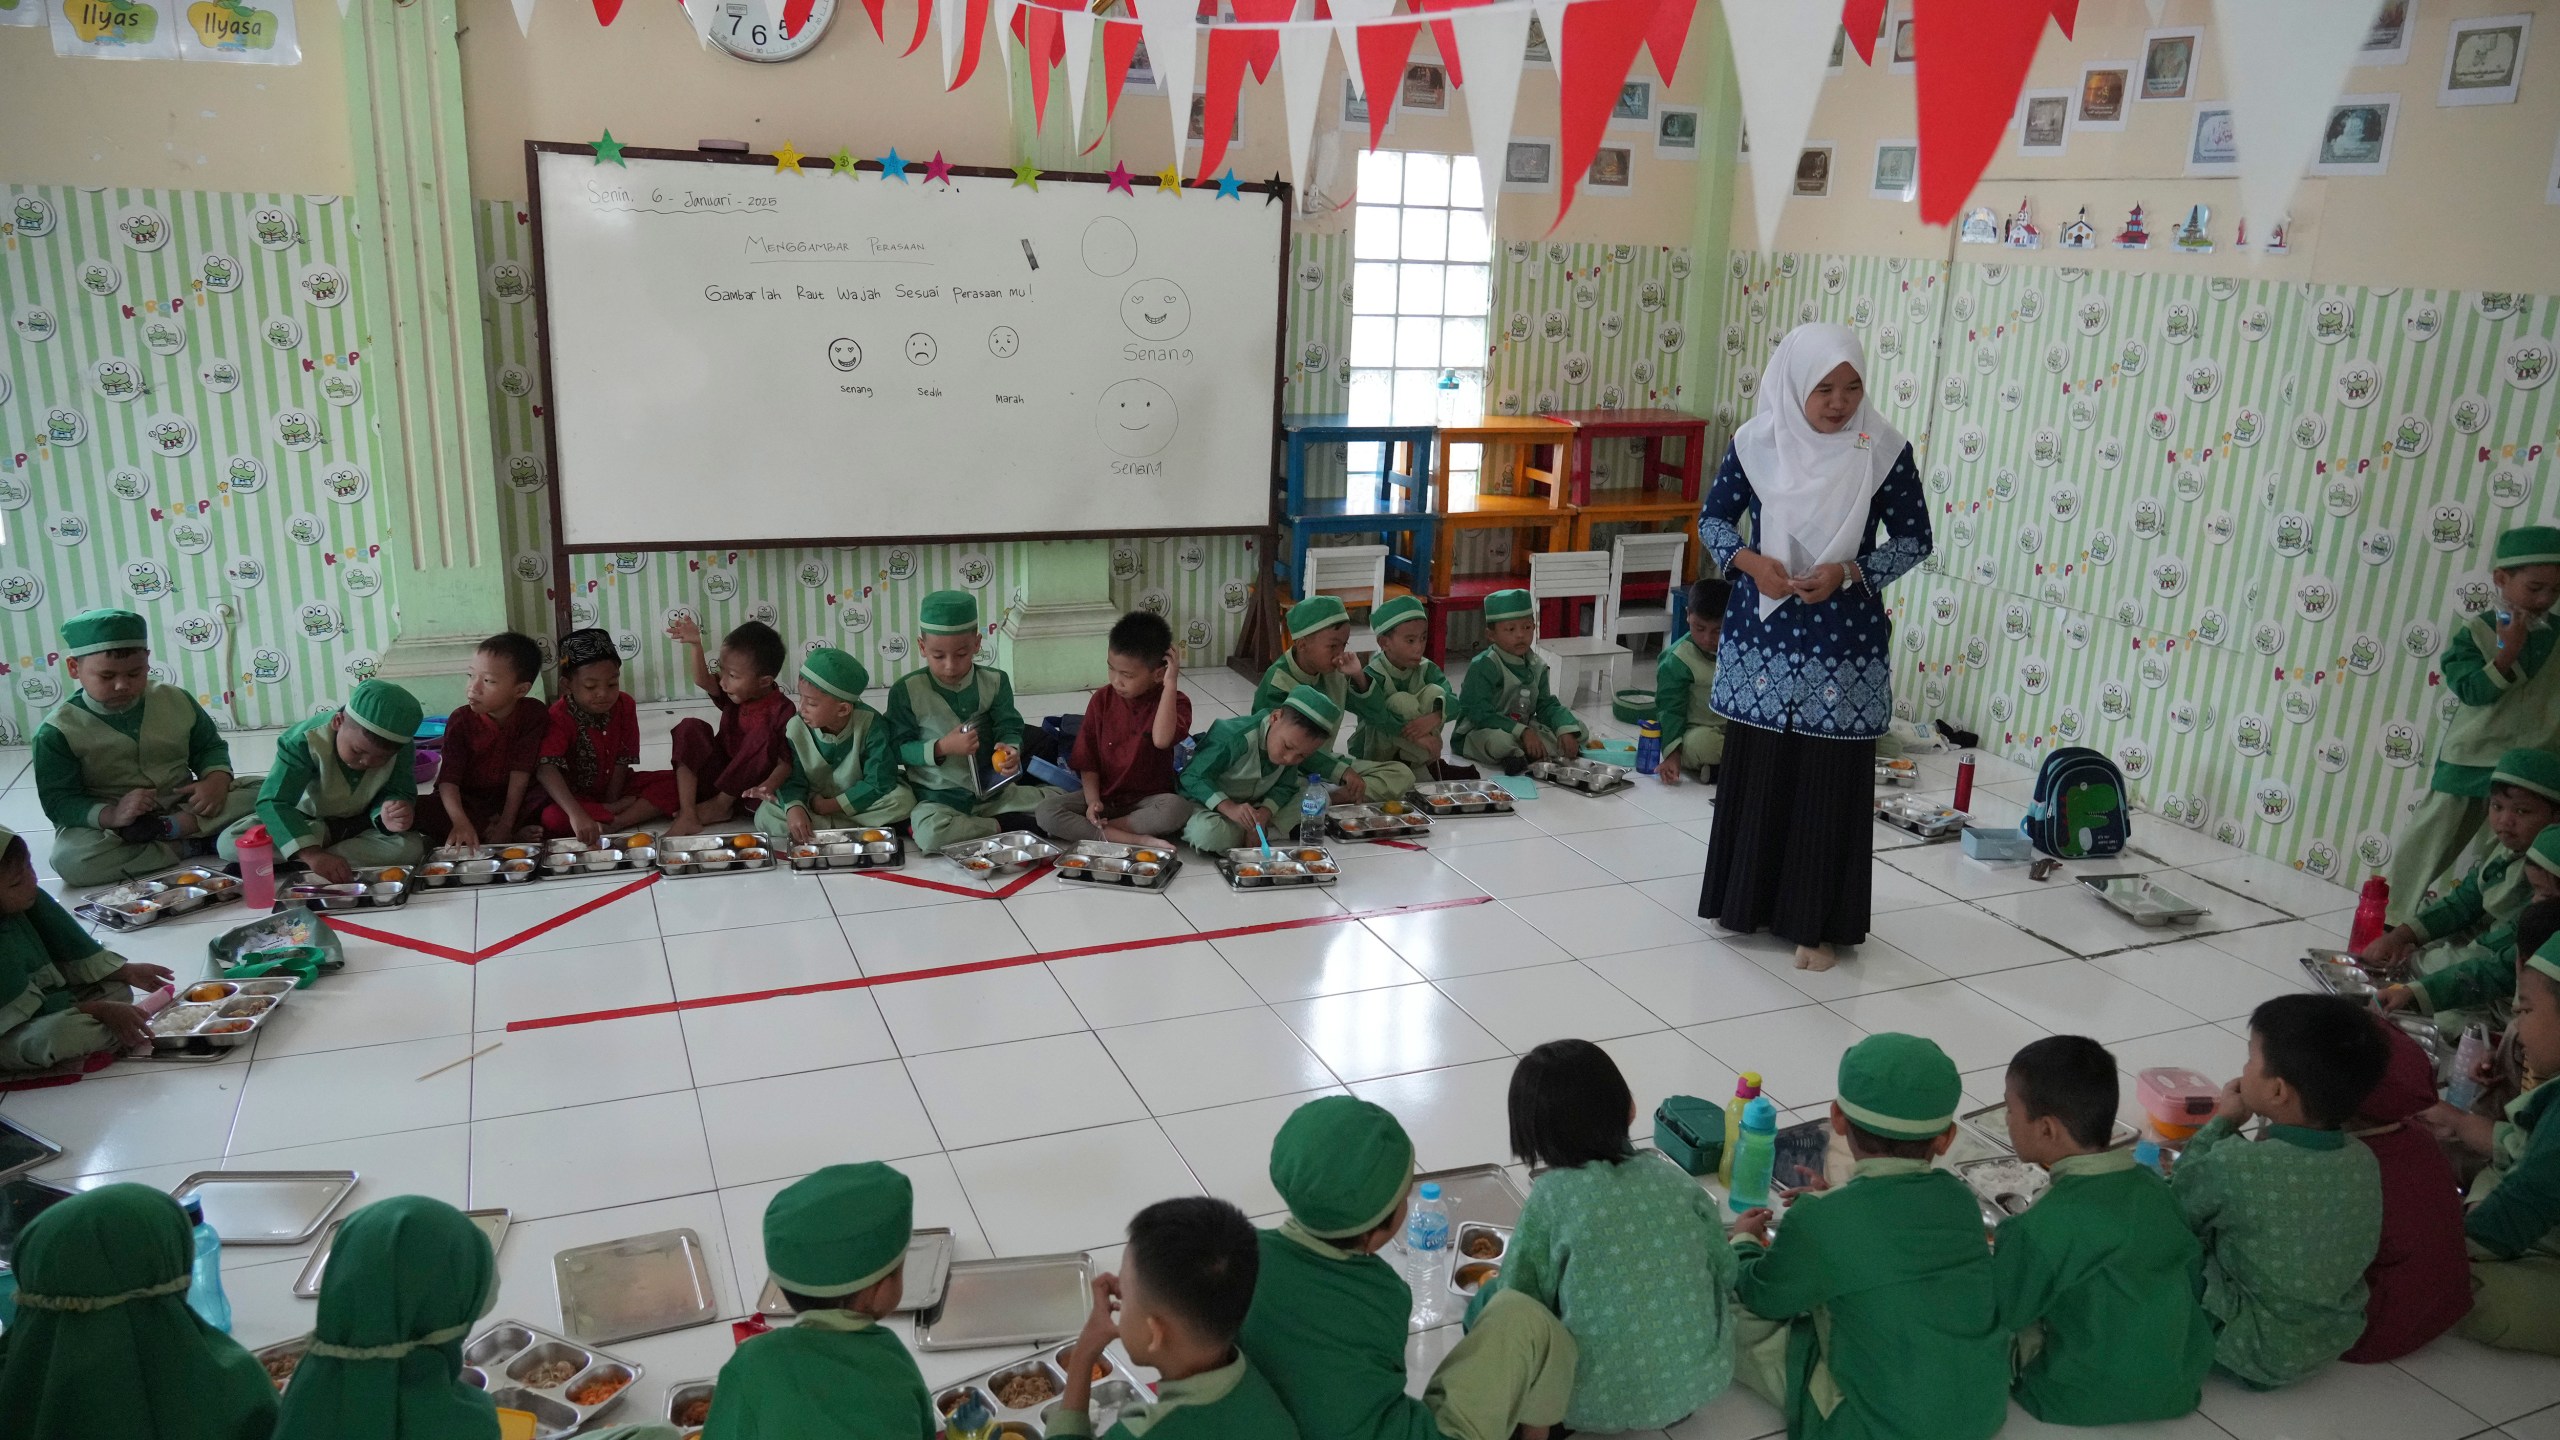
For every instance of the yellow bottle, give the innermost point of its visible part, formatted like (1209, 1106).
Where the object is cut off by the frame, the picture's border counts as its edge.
(1745, 1090)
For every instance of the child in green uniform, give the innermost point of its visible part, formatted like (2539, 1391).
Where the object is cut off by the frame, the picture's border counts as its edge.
(344, 791)
(1319, 655)
(2514, 1222)
(408, 1280)
(1246, 773)
(951, 715)
(2099, 1277)
(1329, 1317)
(2288, 1223)
(1626, 1250)
(1874, 1304)
(1506, 714)
(1683, 681)
(836, 1242)
(2499, 668)
(62, 997)
(2524, 799)
(2480, 982)
(844, 770)
(1184, 1285)
(1410, 691)
(129, 772)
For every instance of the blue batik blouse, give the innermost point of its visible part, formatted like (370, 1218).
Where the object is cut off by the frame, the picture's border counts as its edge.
(1824, 670)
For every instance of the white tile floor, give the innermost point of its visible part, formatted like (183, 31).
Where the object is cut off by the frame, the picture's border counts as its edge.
(1037, 1106)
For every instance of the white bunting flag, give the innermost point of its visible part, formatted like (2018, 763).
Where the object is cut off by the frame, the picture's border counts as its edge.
(1550, 24)
(524, 17)
(1780, 50)
(1304, 53)
(1076, 28)
(1173, 47)
(2279, 110)
(1493, 44)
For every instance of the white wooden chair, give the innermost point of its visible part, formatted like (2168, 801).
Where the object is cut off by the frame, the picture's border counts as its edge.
(1631, 557)
(1575, 659)
(1357, 574)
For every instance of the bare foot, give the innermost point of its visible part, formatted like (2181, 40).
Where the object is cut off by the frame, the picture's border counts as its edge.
(1816, 957)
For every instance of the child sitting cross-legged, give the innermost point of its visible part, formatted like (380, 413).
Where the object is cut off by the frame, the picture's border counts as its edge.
(2290, 1222)
(492, 747)
(2514, 1221)
(1409, 695)
(2524, 799)
(344, 790)
(2419, 1283)
(2478, 983)
(715, 769)
(1124, 748)
(1508, 715)
(2098, 1277)
(948, 718)
(844, 770)
(1184, 1286)
(1319, 656)
(1872, 1312)
(1692, 731)
(1245, 776)
(63, 997)
(593, 739)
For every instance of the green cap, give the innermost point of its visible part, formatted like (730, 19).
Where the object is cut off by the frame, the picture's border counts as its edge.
(1899, 1086)
(1395, 612)
(1509, 605)
(2528, 545)
(386, 710)
(2545, 849)
(835, 672)
(1316, 612)
(2546, 959)
(840, 1230)
(1341, 1166)
(1316, 705)
(91, 631)
(2534, 770)
(948, 612)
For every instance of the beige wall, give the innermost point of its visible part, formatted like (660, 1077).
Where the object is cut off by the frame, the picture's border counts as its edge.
(177, 125)
(2462, 205)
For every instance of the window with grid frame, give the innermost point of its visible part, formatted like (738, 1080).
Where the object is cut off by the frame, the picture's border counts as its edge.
(1421, 287)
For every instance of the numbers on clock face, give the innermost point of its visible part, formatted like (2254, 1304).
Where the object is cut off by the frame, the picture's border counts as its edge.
(753, 29)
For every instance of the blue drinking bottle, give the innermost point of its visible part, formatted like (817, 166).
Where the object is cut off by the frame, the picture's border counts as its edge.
(1648, 747)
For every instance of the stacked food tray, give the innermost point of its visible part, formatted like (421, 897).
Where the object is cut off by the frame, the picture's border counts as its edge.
(211, 1016)
(1897, 771)
(682, 857)
(1016, 1300)
(1251, 868)
(1477, 1257)
(479, 865)
(1104, 862)
(1591, 777)
(1037, 1384)
(689, 1407)
(561, 1383)
(139, 903)
(928, 1273)
(2144, 901)
(866, 849)
(625, 850)
(2339, 973)
(375, 887)
(1000, 854)
(1441, 799)
(1924, 818)
(1386, 820)
(2003, 1185)
(1991, 1125)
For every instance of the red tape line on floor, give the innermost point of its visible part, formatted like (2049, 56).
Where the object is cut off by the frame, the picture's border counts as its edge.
(1009, 962)
(1006, 892)
(474, 957)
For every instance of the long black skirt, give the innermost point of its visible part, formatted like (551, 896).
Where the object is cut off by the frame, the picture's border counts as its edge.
(1793, 834)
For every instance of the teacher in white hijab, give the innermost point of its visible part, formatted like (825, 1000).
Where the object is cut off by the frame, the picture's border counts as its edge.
(1804, 672)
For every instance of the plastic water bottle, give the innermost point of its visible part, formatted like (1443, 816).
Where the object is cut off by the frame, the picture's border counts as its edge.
(2146, 1153)
(1759, 1146)
(2371, 902)
(1648, 747)
(1447, 407)
(1964, 783)
(1745, 1090)
(2463, 1086)
(1426, 1253)
(257, 868)
(1311, 808)
(204, 1287)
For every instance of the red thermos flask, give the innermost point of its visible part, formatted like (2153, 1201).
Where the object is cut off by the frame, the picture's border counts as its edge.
(1964, 782)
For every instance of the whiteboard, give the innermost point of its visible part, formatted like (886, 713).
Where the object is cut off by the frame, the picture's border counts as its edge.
(740, 355)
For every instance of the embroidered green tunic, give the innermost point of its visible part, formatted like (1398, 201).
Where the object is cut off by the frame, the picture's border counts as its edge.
(1896, 1331)
(1632, 1257)
(856, 767)
(308, 780)
(1507, 695)
(2495, 890)
(1369, 704)
(1684, 682)
(1402, 695)
(2289, 1224)
(2515, 1204)
(921, 712)
(2104, 1270)
(2498, 713)
(1327, 1328)
(1232, 1402)
(1235, 763)
(833, 1373)
(87, 759)
(46, 958)
(2480, 976)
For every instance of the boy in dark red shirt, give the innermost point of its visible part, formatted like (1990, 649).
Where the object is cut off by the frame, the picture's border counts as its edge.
(591, 744)
(2419, 1283)
(1125, 749)
(713, 770)
(492, 744)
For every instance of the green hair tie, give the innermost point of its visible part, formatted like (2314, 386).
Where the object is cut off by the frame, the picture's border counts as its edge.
(84, 1304)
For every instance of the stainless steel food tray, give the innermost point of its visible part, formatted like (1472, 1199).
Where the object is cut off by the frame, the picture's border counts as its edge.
(685, 857)
(357, 894)
(1110, 1395)
(1926, 819)
(266, 1207)
(2341, 976)
(1999, 1202)
(140, 904)
(1106, 862)
(1028, 1300)
(1460, 1281)
(1591, 777)
(678, 1394)
(2144, 901)
(1405, 821)
(498, 1358)
(479, 865)
(1476, 1194)
(1000, 854)
(872, 847)
(185, 1028)
(1251, 868)
(1991, 1123)
(624, 1289)
(1903, 774)
(22, 1150)
(286, 1354)
(1464, 797)
(929, 1253)
(621, 850)
(493, 1223)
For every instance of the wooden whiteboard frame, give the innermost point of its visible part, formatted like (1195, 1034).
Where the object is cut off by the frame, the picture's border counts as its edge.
(1275, 190)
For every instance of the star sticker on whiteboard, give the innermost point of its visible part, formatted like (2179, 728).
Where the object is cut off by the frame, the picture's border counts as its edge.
(1229, 187)
(938, 168)
(1272, 196)
(610, 149)
(843, 162)
(1120, 178)
(1169, 182)
(788, 158)
(893, 166)
(1026, 175)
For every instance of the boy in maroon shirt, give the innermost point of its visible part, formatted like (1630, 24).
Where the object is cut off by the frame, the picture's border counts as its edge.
(491, 746)
(714, 770)
(1125, 749)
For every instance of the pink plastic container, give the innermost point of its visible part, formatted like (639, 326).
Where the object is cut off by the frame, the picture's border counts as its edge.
(2178, 1100)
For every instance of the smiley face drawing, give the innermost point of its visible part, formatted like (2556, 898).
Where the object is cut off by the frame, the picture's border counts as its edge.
(921, 349)
(1137, 418)
(1110, 246)
(1003, 343)
(844, 354)
(1155, 309)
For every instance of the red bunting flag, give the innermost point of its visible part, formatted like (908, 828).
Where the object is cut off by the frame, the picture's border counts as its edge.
(973, 38)
(1266, 43)
(1670, 32)
(877, 10)
(1444, 36)
(1119, 47)
(1221, 93)
(1863, 19)
(795, 13)
(1601, 38)
(1972, 57)
(2066, 14)
(1383, 51)
(606, 10)
(1044, 38)
(924, 22)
